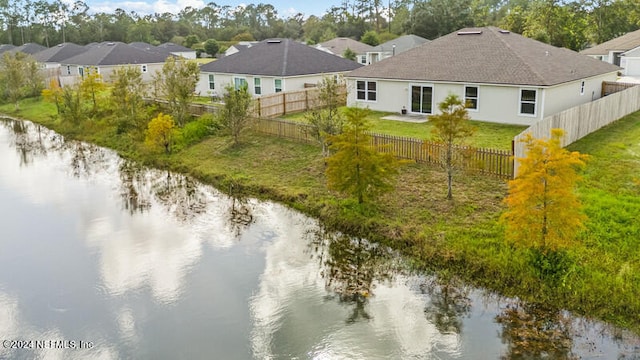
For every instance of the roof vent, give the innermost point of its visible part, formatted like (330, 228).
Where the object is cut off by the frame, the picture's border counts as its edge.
(470, 32)
(504, 31)
(110, 44)
(274, 41)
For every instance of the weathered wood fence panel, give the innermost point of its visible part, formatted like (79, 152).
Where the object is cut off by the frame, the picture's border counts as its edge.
(487, 161)
(611, 87)
(269, 106)
(582, 120)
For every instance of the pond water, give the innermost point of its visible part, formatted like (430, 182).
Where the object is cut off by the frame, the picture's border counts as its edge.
(103, 259)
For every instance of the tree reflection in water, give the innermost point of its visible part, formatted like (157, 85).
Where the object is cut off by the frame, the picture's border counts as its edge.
(448, 302)
(132, 181)
(351, 266)
(240, 215)
(30, 144)
(532, 332)
(86, 159)
(180, 194)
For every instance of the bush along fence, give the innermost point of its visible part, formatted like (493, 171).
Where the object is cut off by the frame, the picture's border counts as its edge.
(485, 161)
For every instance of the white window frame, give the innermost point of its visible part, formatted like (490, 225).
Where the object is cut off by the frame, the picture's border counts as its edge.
(363, 59)
(257, 86)
(212, 82)
(144, 68)
(477, 97)
(277, 89)
(69, 70)
(521, 102)
(239, 81)
(366, 92)
(81, 71)
(582, 88)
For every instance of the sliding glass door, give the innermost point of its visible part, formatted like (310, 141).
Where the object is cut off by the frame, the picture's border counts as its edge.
(421, 99)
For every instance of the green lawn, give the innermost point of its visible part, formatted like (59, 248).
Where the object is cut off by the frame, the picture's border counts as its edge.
(488, 135)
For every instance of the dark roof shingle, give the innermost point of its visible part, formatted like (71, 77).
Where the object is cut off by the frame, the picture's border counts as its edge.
(487, 55)
(280, 57)
(59, 52)
(115, 54)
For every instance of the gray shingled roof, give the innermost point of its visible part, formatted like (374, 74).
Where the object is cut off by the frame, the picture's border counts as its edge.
(59, 52)
(340, 44)
(280, 57)
(115, 54)
(29, 48)
(174, 47)
(625, 42)
(6, 47)
(487, 55)
(402, 43)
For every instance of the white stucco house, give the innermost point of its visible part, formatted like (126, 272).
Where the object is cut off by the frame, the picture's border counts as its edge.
(177, 50)
(339, 45)
(271, 66)
(106, 57)
(503, 76)
(393, 47)
(623, 51)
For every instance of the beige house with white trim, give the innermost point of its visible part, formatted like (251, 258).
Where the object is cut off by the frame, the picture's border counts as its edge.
(271, 66)
(505, 77)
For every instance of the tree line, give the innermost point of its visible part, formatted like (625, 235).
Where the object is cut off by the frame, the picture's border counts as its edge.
(571, 24)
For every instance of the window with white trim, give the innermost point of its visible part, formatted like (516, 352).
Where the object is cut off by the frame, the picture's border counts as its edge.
(277, 84)
(366, 90)
(528, 99)
(212, 82)
(363, 59)
(68, 69)
(81, 71)
(257, 86)
(239, 83)
(143, 68)
(582, 88)
(471, 97)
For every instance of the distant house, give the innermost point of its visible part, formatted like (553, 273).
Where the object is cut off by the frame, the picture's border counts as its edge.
(242, 45)
(108, 56)
(177, 50)
(623, 51)
(53, 56)
(28, 48)
(503, 76)
(272, 66)
(339, 45)
(6, 47)
(394, 47)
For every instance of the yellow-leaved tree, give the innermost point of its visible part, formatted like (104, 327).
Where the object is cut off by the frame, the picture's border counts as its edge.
(53, 93)
(543, 209)
(91, 87)
(160, 133)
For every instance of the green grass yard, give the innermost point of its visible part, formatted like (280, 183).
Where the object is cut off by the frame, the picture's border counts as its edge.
(488, 135)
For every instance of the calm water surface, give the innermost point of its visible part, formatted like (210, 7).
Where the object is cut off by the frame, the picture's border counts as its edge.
(132, 263)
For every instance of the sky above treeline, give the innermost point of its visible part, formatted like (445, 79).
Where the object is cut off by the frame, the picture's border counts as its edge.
(285, 8)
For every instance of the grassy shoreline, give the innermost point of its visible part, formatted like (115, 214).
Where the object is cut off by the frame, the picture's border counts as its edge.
(601, 280)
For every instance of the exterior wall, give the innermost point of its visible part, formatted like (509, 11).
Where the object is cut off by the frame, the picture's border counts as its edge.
(105, 71)
(267, 83)
(499, 104)
(565, 96)
(631, 66)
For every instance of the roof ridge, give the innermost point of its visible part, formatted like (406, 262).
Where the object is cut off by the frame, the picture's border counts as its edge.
(106, 53)
(541, 78)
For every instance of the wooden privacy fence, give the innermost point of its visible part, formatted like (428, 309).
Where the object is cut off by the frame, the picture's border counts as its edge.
(194, 109)
(487, 161)
(582, 120)
(282, 103)
(612, 87)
